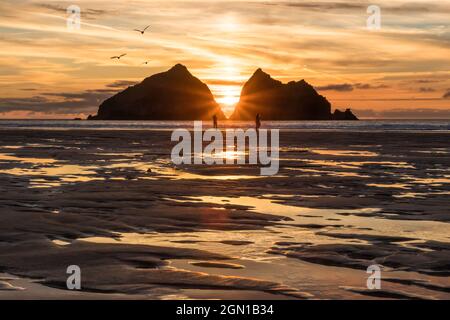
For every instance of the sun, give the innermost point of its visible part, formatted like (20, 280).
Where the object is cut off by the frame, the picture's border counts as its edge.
(227, 84)
(229, 24)
(229, 100)
(228, 103)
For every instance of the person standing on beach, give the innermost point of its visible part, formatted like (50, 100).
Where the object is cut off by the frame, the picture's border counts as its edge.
(258, 122)
(215, 122)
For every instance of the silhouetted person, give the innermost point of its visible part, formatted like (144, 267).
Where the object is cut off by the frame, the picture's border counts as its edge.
(258, 121)
(215, 122)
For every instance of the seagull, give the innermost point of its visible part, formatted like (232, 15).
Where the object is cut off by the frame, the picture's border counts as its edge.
(142, 31)
(118, 57)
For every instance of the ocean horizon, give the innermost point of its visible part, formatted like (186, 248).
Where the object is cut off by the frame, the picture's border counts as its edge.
(406, 125)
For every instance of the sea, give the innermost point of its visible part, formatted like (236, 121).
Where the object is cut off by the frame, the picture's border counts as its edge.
(357, 126)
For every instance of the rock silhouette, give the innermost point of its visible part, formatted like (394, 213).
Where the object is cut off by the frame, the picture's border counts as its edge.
(178, 95)
(277, 101)
(346, 115)
(172, 95)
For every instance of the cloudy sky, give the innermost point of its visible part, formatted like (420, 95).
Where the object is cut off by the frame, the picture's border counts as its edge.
(399, 71)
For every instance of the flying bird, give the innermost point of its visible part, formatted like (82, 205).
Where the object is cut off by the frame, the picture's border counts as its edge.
(118, 57)
(142, 31)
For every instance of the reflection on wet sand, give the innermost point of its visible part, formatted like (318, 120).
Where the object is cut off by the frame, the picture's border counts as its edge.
(166, 171)
(345, 153)
(389, 186)
(302, 228)
(10, 157)
(69, 173)
(420, 195)
(305, 226)
(317, 172)
(348, 218)
(359, 164)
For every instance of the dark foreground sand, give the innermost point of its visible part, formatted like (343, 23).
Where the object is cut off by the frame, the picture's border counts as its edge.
(112, 203)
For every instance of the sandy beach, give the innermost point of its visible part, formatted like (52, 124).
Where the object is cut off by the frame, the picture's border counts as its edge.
(112, 202)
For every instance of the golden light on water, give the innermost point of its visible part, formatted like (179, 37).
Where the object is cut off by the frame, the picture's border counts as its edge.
(230, 155)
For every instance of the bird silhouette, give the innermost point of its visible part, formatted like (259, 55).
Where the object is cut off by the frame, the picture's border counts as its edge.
(118, 57)
(142, 31)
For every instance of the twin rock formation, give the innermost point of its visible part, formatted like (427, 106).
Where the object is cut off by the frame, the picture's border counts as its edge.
(178, 95)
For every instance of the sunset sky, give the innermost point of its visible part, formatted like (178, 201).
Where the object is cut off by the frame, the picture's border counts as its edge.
(400, 71)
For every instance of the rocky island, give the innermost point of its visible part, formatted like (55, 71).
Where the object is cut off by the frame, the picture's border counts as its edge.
(172, 95)
(277, 101)
(347, 115)
(178, 95)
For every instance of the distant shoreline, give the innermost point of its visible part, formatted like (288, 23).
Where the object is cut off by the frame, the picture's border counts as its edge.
(419, 126)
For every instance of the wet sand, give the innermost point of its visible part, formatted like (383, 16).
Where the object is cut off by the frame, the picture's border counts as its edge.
(140, 227)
